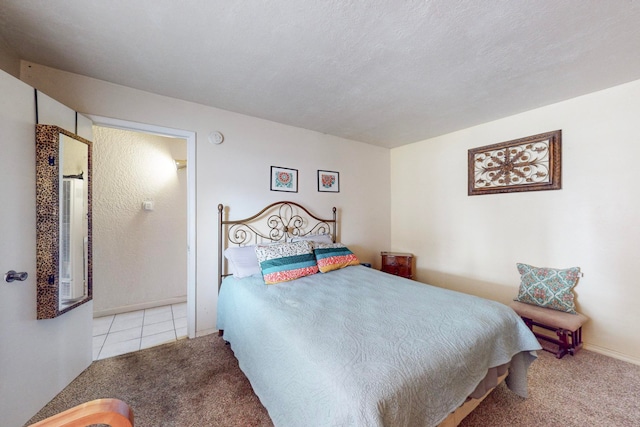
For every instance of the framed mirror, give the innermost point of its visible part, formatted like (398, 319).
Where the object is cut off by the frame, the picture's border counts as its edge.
(63, 221)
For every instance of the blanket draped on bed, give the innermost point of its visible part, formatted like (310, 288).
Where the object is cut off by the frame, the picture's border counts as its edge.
(357, 347)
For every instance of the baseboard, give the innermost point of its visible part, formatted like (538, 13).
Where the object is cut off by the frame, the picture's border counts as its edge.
(611, 353)
(141, 306)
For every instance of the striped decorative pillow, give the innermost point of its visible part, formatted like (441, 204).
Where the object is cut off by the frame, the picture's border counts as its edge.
(333, 256)
(286, 261)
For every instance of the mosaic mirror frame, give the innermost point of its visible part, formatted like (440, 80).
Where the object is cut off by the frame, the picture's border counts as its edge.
(48, 174)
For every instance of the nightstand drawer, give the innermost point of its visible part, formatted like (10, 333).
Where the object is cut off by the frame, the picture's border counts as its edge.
(400, 264)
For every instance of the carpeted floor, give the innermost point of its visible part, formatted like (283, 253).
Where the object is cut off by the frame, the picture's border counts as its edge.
(587, 389)
(193, 382)
(198, 383)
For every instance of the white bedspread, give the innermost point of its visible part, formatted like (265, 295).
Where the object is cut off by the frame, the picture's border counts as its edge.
(357, 347)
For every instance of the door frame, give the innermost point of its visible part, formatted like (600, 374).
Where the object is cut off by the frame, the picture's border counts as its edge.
(190, 137)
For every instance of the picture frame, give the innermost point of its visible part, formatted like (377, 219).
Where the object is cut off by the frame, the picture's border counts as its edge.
(328, 181)
(284, 179)
(532, 163)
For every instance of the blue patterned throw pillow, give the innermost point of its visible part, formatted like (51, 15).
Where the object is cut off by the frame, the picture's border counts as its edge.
(548, 287)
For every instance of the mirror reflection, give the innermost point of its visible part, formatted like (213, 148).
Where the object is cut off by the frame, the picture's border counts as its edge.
(63, 211)
(74, 224)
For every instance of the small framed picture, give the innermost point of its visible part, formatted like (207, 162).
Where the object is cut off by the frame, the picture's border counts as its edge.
(329, 181)
(284, 179)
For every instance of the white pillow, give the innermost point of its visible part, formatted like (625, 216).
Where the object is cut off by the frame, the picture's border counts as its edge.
(243, 261)
(316, 238)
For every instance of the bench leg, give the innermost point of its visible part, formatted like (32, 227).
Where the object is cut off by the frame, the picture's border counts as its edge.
(567, 341)
(563, 344)
(576, 341)
(529, 323)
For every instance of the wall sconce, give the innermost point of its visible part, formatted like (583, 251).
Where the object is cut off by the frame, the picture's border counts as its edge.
(181, 164)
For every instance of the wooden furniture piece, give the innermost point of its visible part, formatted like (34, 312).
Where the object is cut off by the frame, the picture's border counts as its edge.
(567, 326)
(400, 264)
(112, 412)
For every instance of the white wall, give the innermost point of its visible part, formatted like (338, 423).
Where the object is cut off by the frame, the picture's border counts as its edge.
(472, 243)
(38, 358)
(236, 173)
(140, 257)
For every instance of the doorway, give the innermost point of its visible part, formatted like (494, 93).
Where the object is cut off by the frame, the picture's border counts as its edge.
(147, 205)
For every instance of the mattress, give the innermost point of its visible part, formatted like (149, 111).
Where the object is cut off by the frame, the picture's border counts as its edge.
(358, 347)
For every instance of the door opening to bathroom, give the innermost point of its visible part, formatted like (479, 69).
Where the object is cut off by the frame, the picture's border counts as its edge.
(143, 223)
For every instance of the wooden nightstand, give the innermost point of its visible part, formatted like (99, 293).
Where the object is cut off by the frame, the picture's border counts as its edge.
(400, 264)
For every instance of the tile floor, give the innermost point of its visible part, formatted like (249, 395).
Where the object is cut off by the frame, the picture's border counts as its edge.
(127, 332)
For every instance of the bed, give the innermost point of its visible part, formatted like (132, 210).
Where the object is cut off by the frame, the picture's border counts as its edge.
(354, 346)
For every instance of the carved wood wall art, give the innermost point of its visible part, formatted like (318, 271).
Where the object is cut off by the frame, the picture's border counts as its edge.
(526, 164)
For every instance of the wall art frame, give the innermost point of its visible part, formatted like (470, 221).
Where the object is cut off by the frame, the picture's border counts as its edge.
(328, 181)
(284, 179)
(533, 163)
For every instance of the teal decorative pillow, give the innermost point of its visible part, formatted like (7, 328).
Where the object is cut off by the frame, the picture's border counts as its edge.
(286, 261)
(548, 287)
(333, 256)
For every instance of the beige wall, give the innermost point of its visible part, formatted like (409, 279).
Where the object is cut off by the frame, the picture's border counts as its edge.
(9, 61)
(236, 173)
(139, 256)
(472, 244)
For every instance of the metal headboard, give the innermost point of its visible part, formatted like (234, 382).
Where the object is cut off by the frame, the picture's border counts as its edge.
(280, 221)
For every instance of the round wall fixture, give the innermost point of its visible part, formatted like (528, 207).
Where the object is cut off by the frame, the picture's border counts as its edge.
(216, 137)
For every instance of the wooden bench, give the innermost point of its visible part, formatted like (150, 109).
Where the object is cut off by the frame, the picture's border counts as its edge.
(567, 326)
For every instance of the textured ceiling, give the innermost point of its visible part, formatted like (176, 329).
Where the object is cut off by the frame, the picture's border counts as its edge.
(385, 72)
